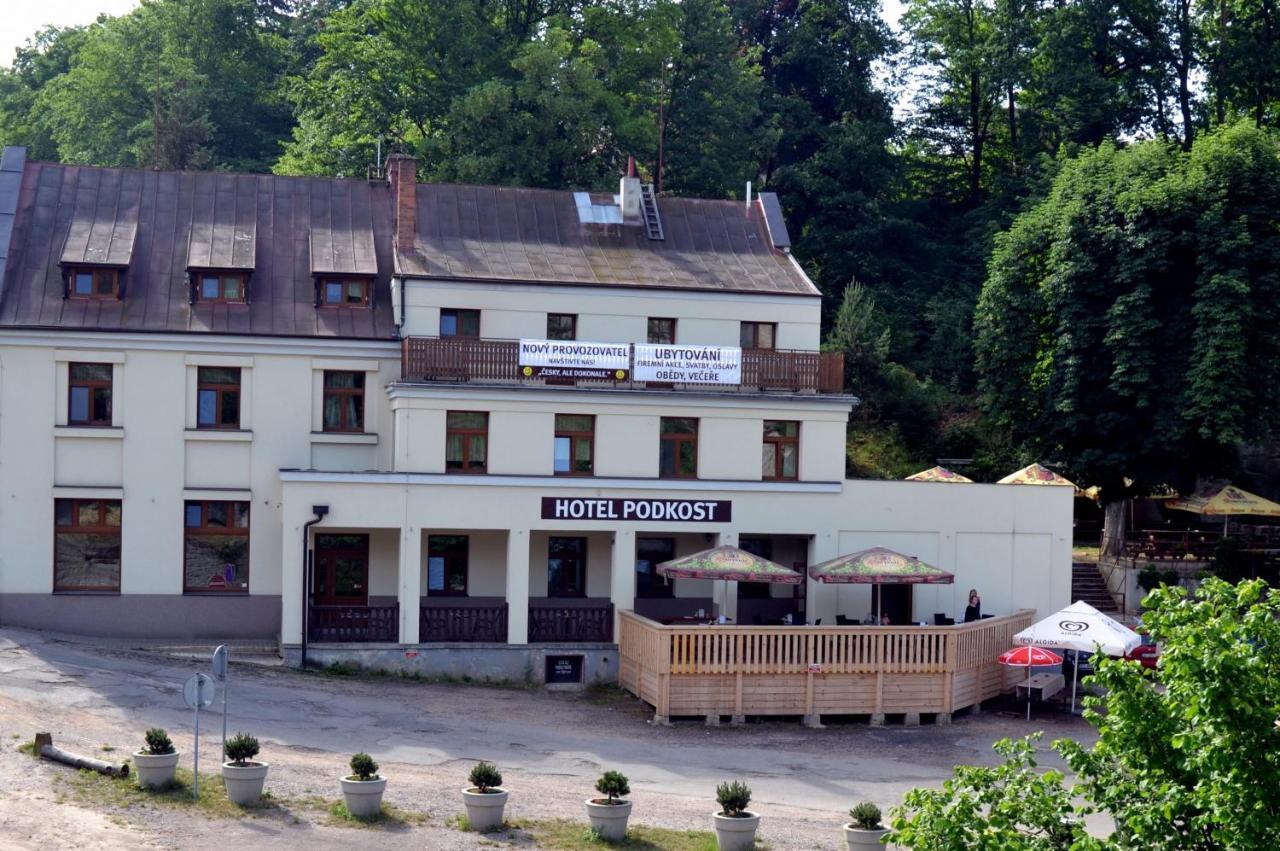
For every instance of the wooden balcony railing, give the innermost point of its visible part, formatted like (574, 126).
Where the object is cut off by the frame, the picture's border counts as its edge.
(571, 623)
(354, 623)
(472, 359)
(463, 623)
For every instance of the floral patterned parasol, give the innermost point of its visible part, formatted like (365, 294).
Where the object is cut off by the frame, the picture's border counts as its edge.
(879, 566)
(1034, 474)
(729, 563)
(938, 474)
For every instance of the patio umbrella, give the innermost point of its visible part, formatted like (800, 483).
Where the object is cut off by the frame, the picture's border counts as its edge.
(1028, 656)
(1224, 501)
(1080, 627)
(1034, 474)
(938, 474)
(879, 566)
(729, 564)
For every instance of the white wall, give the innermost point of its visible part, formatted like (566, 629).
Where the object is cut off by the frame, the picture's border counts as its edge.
(612, 314)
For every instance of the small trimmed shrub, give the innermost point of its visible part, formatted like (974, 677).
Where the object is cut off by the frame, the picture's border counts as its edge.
(241, 748)
(363, 767)
(733, 798)
(614, 784)
(158, 742)
(866, 815)
(485, 777)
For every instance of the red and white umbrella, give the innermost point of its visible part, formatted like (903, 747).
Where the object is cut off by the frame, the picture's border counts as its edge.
(1026, 657)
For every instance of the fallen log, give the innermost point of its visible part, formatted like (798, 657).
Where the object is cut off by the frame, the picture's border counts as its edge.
(44, 747)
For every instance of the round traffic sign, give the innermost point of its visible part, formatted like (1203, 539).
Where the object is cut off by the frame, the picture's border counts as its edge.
(198, 691)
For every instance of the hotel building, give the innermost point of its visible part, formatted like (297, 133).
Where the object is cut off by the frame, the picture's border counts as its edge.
(448, 428)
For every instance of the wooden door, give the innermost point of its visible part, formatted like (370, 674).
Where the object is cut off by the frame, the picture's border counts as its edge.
(341, 573)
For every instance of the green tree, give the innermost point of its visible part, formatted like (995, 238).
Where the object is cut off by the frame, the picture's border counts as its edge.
(1124, 324)
(1187, 754)
(46, 55)
(858, 332)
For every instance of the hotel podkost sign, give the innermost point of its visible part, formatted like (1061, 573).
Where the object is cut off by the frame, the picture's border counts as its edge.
(668, 510)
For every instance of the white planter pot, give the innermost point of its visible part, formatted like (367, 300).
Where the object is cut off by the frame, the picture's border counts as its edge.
(736, 833)
(484, 809)
(154, 770)
(857, 839)
(609, 821)
(363, 797)
(244, 782)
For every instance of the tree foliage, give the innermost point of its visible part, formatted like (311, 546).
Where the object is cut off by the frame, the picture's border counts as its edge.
(1123, 327)
(1187, 755)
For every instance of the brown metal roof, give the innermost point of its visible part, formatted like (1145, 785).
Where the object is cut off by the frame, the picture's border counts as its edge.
(175, 221)
(536, 235)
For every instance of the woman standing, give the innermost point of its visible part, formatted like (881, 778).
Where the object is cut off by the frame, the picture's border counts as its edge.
(973, 611)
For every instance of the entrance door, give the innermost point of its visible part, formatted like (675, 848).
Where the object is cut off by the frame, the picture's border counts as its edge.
(895, 601)
(341, 573)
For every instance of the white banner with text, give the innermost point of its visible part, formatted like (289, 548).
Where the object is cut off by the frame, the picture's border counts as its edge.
(574, 359)
(688, 364)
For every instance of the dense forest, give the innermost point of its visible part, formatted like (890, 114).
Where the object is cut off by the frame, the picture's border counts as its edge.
(1025, 217)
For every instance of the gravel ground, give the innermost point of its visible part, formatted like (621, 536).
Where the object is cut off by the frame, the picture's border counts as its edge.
(550, 746)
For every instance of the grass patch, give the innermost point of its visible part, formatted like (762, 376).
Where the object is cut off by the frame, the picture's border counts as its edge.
(98, 791)
(107, 748)
(600, 693)
(350, 670)
(29, 748)
(565, 834)
(391, 817)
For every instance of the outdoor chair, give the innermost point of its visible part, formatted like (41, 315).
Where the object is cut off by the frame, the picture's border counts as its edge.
(842, 620)
(939, 618)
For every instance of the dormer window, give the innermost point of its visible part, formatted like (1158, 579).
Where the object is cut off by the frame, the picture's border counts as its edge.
(94, 283)
(220, 287)
(344, 292)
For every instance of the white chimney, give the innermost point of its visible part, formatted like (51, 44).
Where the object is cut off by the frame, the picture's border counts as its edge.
(629, 197)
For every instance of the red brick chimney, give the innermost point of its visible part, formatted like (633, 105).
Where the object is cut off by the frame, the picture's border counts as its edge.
(402, 174)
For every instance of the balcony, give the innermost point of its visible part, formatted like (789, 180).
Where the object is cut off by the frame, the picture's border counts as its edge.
(476, 360)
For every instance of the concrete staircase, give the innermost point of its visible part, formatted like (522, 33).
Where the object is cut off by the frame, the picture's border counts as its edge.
(1087, 584)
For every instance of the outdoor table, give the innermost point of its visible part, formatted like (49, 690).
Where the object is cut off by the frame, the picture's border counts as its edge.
(1043, 686)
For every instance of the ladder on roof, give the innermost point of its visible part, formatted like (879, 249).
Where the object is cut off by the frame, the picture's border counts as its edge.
(649, 209)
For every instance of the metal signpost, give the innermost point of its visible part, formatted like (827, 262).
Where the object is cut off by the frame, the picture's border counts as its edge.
(198, 693)
(220, 674)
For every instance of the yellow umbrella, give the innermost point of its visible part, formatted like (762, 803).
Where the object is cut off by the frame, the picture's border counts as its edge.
(938, 474)
(1226, 500)
(1034, 474)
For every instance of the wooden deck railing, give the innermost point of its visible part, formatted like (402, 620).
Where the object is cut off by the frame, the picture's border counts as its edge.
(354, 623)
(463, 623)
(739, 670)
(473, 359)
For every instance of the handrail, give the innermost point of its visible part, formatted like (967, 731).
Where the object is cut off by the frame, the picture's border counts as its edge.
(496, 359)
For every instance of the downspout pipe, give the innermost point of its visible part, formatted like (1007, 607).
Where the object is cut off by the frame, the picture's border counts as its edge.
(320, 511)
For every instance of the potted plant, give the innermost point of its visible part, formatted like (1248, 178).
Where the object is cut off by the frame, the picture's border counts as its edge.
(608, 815)
(363, 788)
(242, 776)
(485, 798)
(156, 761)
(865, 830)
(735, 824)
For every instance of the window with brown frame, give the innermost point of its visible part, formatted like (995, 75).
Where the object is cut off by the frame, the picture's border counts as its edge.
(758, 335)
(575, 444)
(86, 282)
(662, 330)
(781, 457)
(89, 394)
(447, 565)
(562, 326)
(343, 401)
(220, 287)
(459, 323)
(466, 442)
(216, 547)
(344, 292)
(218, 397)
(566, 567)
(86, 545)
(678, 448)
